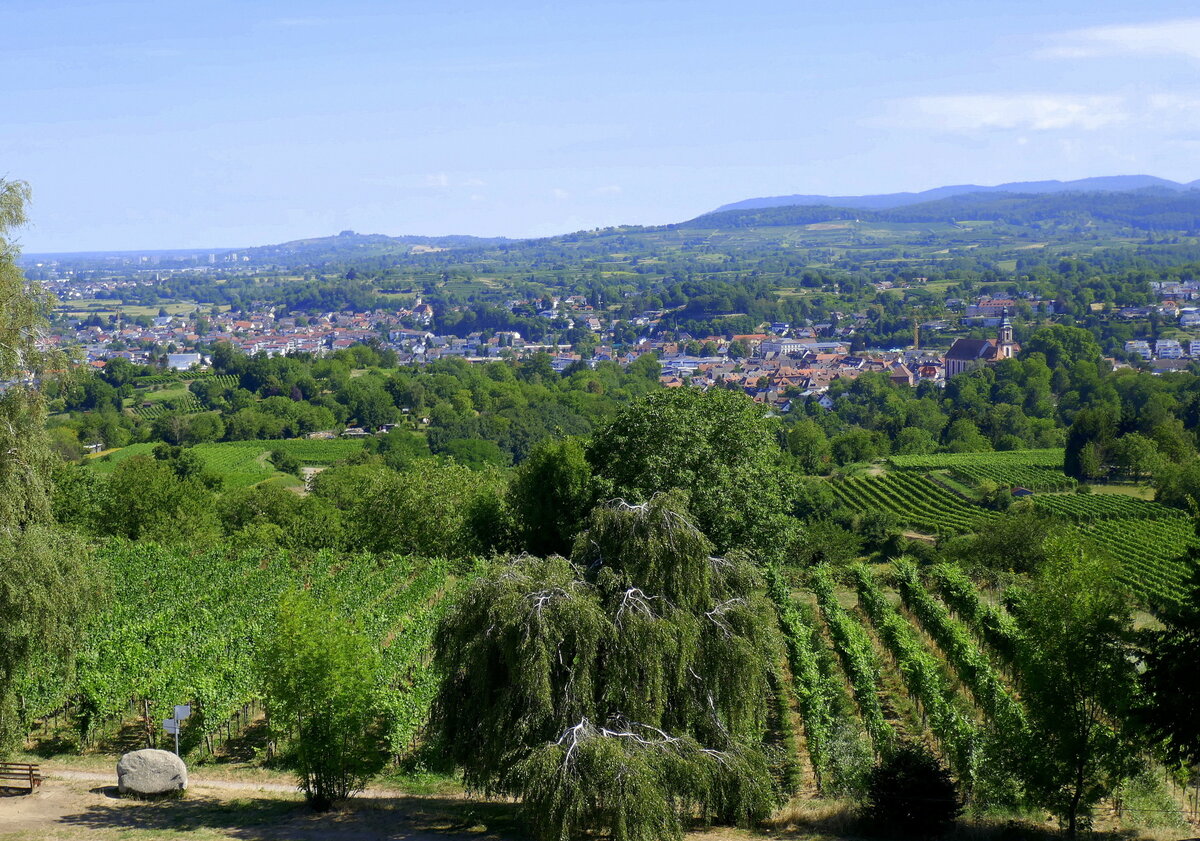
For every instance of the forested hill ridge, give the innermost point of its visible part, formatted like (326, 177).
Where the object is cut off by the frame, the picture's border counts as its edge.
(349, 245)
(341, 247)
(1148, 209)
(883, 201)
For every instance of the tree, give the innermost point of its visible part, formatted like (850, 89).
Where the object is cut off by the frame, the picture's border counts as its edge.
(619, 691)
(148, 500)
(1062, 346)
(1077, 679)
(963, 436)
(1018, 541)
(284, 462)
(809, 445)
(854, 445)
(475, 453)
(550, 494)
(1178, 485)
(912, 794)
(1135, 455)
(320, 677)
(824, 541)
(717, 446)
(44, 587)
(1171, 681)
(1089, 444)
(429, 509)
(914, 441)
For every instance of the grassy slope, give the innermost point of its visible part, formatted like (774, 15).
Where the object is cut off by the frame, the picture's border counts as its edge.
(244, 463)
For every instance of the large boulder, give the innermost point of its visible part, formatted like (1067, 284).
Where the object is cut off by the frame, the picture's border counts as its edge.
(151, 772)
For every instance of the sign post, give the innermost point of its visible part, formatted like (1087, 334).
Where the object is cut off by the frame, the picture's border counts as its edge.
(172, 725)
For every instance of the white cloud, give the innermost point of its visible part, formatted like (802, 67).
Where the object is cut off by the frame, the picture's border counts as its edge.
(560, 193)
(438, 179)
(1168, 37)
(1021, 111)
(609, 190)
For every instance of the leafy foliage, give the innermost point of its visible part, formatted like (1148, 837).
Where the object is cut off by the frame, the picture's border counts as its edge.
(1077, 680)
(912, 794)
(643, 662)
(1171, 681)
(717, 446)
(320, 677)
(43, 585)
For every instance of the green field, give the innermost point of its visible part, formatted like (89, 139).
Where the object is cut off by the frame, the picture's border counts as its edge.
(245, 463)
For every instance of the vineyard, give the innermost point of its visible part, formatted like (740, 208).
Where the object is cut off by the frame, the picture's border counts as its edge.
(1052, 458)
(1149, 552)
(1145, 538)
(921, 664)
(182, 628)
(151, 402)
(917, 502)
(185, 404)
(1037, 470)
(1086, 508)
(225, 380)
(244, 463)
(1015, 476)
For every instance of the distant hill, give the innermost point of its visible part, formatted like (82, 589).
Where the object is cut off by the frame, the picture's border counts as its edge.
(884, 201)
(1152, 208)
(349, 244)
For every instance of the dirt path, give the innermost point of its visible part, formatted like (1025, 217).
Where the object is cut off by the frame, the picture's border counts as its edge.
(79, 805)
(84, 806)
(205, 782)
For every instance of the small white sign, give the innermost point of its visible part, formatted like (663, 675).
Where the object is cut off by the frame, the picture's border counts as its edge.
(171, 726)
(182, 711)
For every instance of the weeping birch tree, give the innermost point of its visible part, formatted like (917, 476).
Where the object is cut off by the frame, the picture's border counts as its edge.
(41, 583)
(625, 690)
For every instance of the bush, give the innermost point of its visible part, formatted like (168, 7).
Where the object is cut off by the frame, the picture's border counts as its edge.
(824, 542)
(320, 676)
(911, 793)
(285, 462)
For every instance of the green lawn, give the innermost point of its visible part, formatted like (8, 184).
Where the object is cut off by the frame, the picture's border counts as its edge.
(245, 463)
(149, 396)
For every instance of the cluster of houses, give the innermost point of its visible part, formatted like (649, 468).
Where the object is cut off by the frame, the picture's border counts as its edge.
(776, 367)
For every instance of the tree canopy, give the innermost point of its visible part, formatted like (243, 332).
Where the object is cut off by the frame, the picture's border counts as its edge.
(42, 585)
(619, 690)
(716, 446)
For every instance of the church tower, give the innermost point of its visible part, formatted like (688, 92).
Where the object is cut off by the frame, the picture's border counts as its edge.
(1004, 343)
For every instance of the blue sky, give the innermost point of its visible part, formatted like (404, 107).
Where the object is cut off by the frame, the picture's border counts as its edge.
(165, 124)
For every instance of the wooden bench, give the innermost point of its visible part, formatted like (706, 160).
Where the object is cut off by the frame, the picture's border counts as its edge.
(19, 772)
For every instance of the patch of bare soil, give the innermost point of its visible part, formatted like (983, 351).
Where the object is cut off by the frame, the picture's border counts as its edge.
(74, 809)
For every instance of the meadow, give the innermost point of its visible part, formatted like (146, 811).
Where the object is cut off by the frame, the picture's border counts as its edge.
(244, 463)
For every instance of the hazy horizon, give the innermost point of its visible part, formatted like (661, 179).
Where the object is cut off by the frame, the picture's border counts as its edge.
(142, 127)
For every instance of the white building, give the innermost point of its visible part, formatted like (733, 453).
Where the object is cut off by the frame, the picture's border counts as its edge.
(1139, 347)
(1168, 349)
(182, 361)
(784, 346)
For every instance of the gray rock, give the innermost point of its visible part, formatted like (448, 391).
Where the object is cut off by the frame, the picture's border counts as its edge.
(151, 772)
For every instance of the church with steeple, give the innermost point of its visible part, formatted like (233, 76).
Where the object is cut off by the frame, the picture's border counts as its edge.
(966, 354)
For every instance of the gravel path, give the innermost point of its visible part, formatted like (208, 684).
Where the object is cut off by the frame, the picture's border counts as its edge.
(204, 782)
